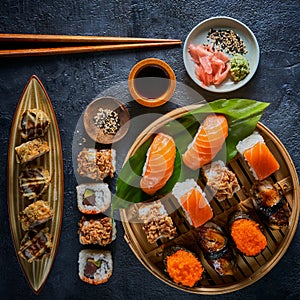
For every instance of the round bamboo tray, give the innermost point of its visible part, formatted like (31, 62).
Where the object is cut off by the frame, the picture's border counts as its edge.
(249, 269)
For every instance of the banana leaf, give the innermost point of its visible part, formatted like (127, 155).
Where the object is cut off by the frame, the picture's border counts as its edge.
(242, 116)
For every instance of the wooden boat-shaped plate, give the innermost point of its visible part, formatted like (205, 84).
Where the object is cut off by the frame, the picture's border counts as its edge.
(35, 96)
(249, 269)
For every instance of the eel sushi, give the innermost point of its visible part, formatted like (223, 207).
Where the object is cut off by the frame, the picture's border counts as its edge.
(258, 156)
(101, 231)
(207, 143)
(220, 180)
(193, 202)
(35, 245)
(93, 198)
(215, 246)
(156, 222)
(183, 266)
(159, 165)
(33, 182)
(95, 266)
(247, 234)
(271, 205)
(34, 123)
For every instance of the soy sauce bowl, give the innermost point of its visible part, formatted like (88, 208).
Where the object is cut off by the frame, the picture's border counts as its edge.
(151, 82)
(97, 134)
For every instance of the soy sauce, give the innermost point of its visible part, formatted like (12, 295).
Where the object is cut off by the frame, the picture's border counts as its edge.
(152, 82)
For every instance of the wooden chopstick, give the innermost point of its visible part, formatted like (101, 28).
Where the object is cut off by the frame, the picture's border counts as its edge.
(82, 49)
(41, 38)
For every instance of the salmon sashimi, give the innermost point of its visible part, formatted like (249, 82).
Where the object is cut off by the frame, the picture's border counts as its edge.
(211, 67)
(207, 143)
(258, 156)
(193, 201)
(159, 165)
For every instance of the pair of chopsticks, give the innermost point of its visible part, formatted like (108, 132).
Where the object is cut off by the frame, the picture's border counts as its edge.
(66, 44)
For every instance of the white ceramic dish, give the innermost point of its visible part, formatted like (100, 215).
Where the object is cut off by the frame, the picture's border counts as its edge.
(198, 35)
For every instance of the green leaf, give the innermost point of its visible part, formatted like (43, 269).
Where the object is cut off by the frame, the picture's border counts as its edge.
(242, 116)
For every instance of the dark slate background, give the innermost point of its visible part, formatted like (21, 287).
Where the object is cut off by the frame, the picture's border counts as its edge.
(72, 81)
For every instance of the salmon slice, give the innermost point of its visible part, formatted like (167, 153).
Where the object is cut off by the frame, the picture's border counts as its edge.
(193, 201)
(207, 142)
(159, 165)
(261, 160)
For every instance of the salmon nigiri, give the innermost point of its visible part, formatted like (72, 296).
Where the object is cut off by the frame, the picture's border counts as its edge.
(159, 165)
(260, 159)
(193, 202)
(207, 142)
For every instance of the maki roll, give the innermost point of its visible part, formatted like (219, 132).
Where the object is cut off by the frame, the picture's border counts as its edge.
(93, 198)
(35, 245)
(156, 222)
(215, 246)
(34, 123)
(96, 164)
(36, 213)
(33, 182)
(221, 181)
(271, 205)
(193, 202)
(258, 156)
(31, 150)
(183, 266)
(247, 234)
(95, 266)
(96, 231)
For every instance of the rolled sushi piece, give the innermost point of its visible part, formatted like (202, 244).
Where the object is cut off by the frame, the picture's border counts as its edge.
(159, 165)
(156, 221)
(100, 231)
(258, 156)
(271, 205)
(183, 266)
(193, 201)
(215, 246)
(93, 198)
(95, 266)
(247, 234)
(96, 164)
(220, 180)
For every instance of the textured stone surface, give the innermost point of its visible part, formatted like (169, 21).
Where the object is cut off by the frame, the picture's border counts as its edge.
(72, 81)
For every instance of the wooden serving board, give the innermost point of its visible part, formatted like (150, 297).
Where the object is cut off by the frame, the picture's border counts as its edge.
(35, 96)
(249, 269)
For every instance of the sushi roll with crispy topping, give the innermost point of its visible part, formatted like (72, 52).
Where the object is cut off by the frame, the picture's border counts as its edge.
(220, 180)
(101, 231)
(36, 213)
(215, 246)
(271, 205)
(247, 234)
(156, 222)
(183, 266)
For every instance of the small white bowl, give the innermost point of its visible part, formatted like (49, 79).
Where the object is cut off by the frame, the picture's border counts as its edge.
(198, 35)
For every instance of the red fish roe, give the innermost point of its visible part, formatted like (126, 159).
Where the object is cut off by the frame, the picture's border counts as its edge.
(248, 237)
(184, 268)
